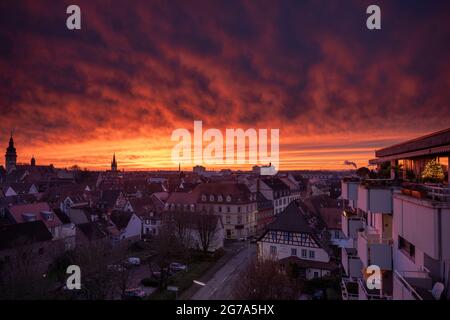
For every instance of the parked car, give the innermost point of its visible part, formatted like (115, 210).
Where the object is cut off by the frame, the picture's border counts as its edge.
(134, 261)
(175, 266)
(135, 293)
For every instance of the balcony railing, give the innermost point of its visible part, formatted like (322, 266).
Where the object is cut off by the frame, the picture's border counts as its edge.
(373, 249)
(380, 182)
(374, 294)
(349, 289)
(426, 191)
(374, 237)
(418, 284)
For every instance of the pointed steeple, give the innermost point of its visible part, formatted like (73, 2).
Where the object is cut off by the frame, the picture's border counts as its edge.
(114, 163)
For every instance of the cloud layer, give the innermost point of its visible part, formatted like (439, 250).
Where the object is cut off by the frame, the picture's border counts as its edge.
(139, 69)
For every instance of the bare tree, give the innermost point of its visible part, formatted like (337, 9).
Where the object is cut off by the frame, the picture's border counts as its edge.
(167, 248)
(123, 277)
(206, 228)
(264, 280)
(181, 221)
(22, 277)
(100, 281)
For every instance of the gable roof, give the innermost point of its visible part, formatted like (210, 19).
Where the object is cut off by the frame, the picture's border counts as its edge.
(121, 219)
(331, 217)
(109, 197)
(19, 211)
(291, 219)
(20, 234)
(275, 184)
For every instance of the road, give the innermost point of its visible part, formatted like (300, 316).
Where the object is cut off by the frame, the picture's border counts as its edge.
(220, 286)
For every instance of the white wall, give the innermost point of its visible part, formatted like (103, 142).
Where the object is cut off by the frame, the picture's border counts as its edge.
(284, 251)
(417, 221)
(133, 228)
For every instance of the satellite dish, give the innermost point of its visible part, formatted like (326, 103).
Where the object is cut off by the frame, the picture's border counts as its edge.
(437, 290)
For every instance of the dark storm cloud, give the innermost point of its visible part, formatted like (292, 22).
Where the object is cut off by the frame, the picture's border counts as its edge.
(309, 67)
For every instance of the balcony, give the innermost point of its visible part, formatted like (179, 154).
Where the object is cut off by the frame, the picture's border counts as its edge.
(351, 263)
(435, 193)
(351, 222)
(349, 289)
(423, 221)
(365, 293)
(349, 188)
(374, 250)
(375, 195)
(412, 285)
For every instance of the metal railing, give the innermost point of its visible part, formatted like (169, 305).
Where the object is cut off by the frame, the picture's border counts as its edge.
(434, 192)
(374, 237)
(400, 276)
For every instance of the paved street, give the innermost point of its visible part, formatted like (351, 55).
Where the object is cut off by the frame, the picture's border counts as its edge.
(220, 286)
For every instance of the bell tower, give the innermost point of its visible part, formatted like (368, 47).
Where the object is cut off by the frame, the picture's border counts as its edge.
(11, 155)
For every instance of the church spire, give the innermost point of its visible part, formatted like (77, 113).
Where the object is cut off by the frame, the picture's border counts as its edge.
(11, 155)
(114, 163)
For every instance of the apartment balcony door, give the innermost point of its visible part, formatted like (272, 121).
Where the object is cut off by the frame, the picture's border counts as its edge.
(387, 226)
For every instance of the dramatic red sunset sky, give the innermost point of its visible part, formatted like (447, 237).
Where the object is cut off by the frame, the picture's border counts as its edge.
(140, 69)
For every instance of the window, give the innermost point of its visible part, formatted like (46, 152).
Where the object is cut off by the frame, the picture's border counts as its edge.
(239, 209)
(407, 248)
(220, 209)
(316, 274)
(293, 252)
(228, 219)
(239, 219)
(304, 253)
(228, 198)
(211, 198)
(273, 250)
(312, 254)
(220, 198)
(228, 209)
(274, 236)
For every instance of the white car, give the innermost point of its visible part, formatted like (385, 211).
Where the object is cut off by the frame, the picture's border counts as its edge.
(134, 261)
(175, 266)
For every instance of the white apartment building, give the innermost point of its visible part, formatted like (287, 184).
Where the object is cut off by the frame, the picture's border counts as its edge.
(401, 224)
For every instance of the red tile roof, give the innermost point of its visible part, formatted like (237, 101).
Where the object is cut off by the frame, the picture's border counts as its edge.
(18, 212)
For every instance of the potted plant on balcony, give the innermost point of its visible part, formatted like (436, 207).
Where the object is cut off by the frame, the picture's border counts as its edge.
(406, 191)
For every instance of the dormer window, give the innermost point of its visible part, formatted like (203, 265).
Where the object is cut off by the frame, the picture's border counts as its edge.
(228, 198)
(204, 197)
(211, 198)
(220, 198)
